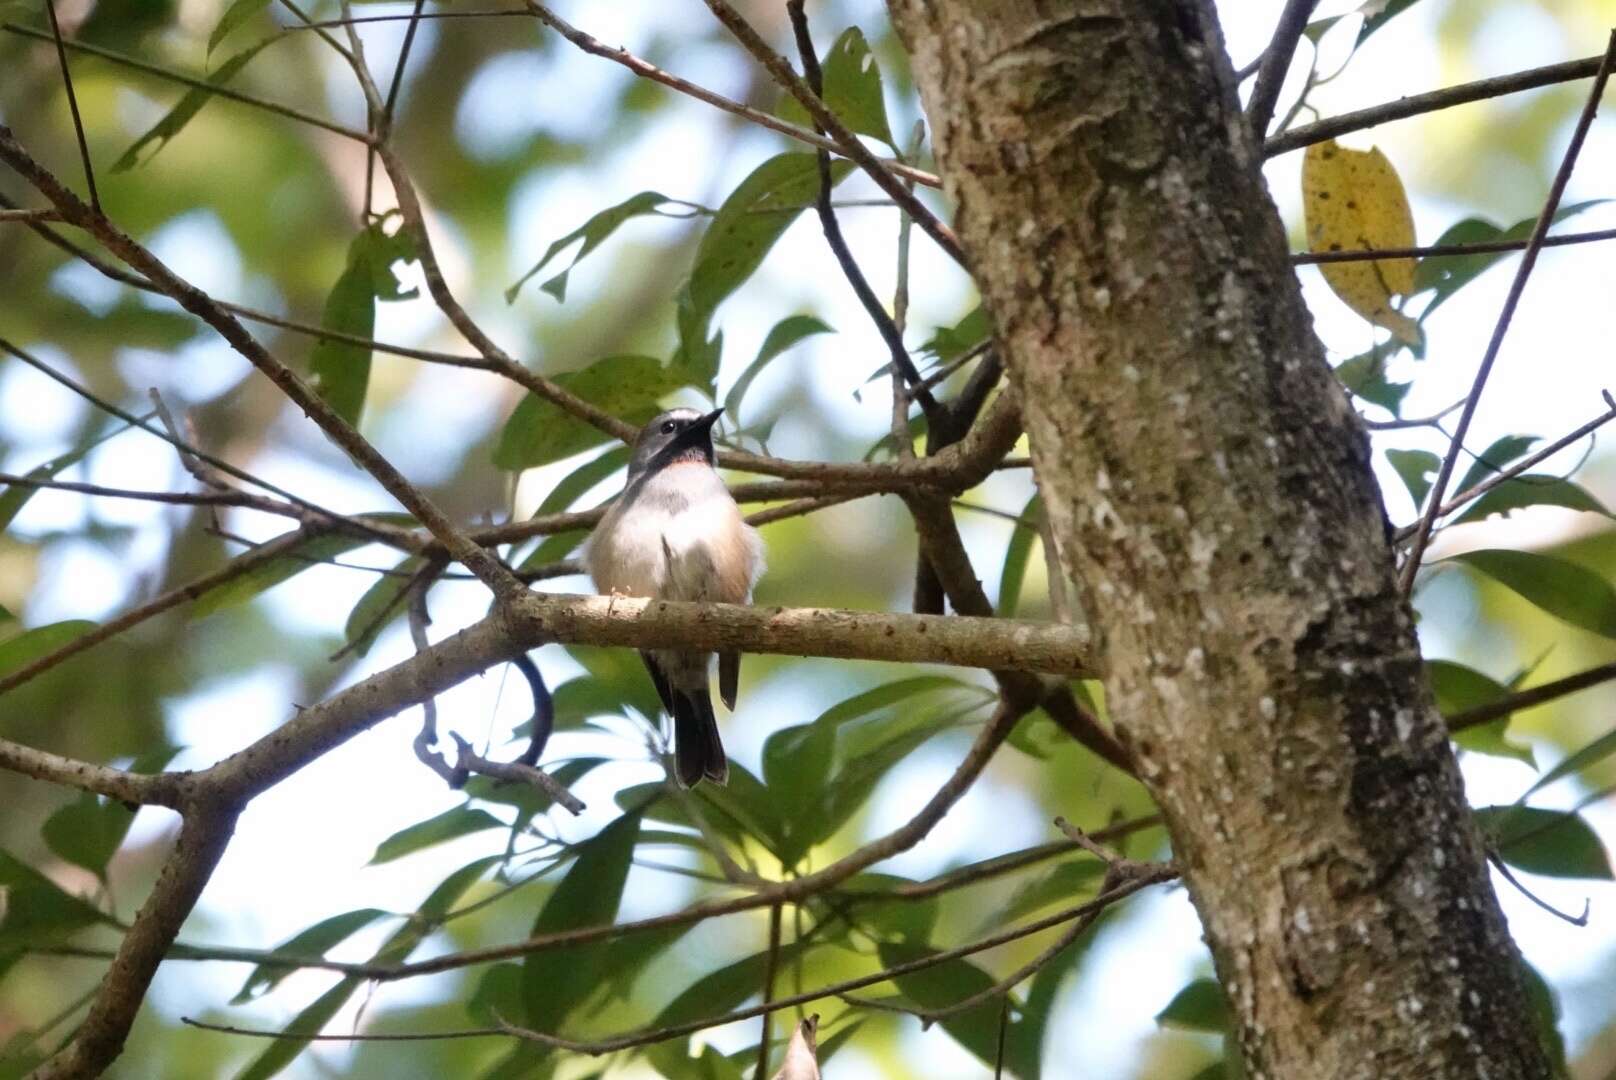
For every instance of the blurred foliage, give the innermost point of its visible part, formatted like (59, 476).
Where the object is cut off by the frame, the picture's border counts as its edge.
(535, 162)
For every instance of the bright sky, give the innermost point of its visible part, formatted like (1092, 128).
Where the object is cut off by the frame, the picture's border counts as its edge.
(299, 849)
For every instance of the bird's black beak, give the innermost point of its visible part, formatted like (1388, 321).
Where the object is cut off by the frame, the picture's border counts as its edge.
(706, 422)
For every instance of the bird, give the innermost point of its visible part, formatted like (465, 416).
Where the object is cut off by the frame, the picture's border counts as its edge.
(675, 533)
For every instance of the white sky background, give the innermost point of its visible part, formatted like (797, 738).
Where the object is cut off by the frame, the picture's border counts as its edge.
(299, 849)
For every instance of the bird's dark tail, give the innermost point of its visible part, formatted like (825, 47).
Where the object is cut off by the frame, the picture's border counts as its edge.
(698, 753)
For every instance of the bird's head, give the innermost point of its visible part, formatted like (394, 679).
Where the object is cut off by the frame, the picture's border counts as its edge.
(678, 435)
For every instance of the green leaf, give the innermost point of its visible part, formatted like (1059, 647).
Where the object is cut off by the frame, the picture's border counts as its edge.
(1200, 1006)
(381, 605)
(1458, 689)
(28, 646)
(36, 911)
(1563, 589)
(1025, 1039)
(16, 496)
(1447, 274)
(312, 1018)
(900, 918)
(449, 825)
(530, 801)
(1385, 14)
(1531, 489)
(786, 333)
(851, 787)
(796, 765)
(1495, 458)
(628, 386)
(1595, 752)
(498, 996)
(1364, 375)
(555, 983)
(1545, 1018)
(397, 948)
(1415, 468)
(554, 548)
(87, 831)
(944, 984)
(340, 371)
(852, 89)
(593, 233)
(951, 342)
(174, 121)
(578, 483)
(315, 941)
(235, 15)
(309, 552)
(621, 675)
(719, 991)
(1066, 884)
(1554, 843)
(736, 241)
(1016, 554)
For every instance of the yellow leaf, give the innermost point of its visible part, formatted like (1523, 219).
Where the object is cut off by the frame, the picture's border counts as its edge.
(1354, 201)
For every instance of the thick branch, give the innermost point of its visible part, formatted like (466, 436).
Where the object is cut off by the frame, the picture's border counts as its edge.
(98, 1041)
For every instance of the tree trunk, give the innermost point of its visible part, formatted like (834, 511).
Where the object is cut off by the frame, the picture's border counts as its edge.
(1210, 491)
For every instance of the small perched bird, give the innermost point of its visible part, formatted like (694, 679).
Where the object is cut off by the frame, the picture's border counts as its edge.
(676, 534)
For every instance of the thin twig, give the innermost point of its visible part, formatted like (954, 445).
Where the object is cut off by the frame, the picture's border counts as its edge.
(771, 965)
(217, 90)
(849, 143)
(654, 1035)
(1436, 251)
(1403, 425)
(1476, 491)
(1439, 487)
(134, 421)
(29, 216)
(236, 568)
(788, 891)
(479, 561)
(1276, 61)
(1434, 101)
(1504, 870)
(177, 498)
(888, 329)
(647, 70)
(73, 105)
(1526, 699)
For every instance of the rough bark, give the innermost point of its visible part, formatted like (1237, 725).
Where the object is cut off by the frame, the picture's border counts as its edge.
(1210, 489)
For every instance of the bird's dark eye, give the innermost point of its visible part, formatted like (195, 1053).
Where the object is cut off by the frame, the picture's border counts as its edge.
(669, 427)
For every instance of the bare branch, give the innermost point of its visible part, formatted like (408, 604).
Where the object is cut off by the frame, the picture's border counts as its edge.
(1434, 101)
(647, 70)
(1476, 491)
(1480, 247)
(1275, 62)
(1422, 534)
(480, 562)
(871, 303)
(217, 90)
(1526, 699)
